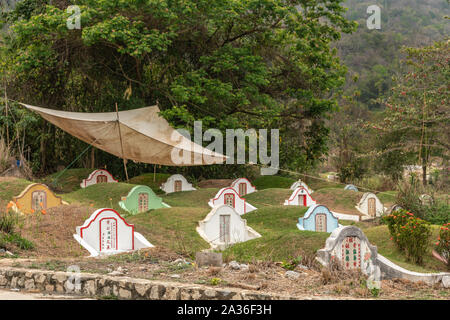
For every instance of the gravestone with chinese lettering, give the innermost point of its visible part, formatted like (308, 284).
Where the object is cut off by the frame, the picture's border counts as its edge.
(300, 197)
(98, 176)
(106, 232)
(243, 186)
(318, 218)
(231, 197)
(141, 199)
(350, 247)
(176, 183)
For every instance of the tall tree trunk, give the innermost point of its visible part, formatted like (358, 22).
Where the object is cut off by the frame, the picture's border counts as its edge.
(424, 175)
(92, 165)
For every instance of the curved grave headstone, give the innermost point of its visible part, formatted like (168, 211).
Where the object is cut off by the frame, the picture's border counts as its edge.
(318, 218)
(243, 186)
(231, 197)
(300, 197)
(96, 177)
(176, 183)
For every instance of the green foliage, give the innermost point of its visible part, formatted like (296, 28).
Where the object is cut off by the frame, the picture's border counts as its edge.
(16, 239)
(265, 182)
(443, 243)
(411, 234)
(291, 264)
(231, 64)
(8, 221)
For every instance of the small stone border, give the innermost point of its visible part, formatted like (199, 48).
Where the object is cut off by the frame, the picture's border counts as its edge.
(124, 288)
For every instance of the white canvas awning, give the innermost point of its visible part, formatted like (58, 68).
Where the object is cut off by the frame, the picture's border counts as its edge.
(146, 136)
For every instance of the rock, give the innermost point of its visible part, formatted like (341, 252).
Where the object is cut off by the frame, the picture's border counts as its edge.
(124, 294)
(9, 253)
(142, 288)
(115, 273)
(302, 267)
(207, 258)
(234, 265)
(446, 281)
(2, 250)
(179, 262)
(292, 275)
(29, 285)
(176, 276)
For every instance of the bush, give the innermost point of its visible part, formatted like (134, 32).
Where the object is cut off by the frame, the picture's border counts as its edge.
(443, 243)
(411, 234)
(8, 221)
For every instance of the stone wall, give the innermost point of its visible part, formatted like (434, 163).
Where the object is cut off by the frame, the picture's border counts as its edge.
(95, 285)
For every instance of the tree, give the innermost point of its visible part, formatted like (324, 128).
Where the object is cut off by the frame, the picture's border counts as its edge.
(237, 63)
(418, 108)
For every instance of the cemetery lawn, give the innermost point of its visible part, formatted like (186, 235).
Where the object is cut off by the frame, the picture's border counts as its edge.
(147, 180)
(103, 195)
(280, 241)
(338, 199)
(266, 182)
(11, 187)
(388, 198)
(66, 181)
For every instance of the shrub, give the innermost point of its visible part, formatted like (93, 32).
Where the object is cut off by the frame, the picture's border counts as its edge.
(411, 234)
(443, 243)
(8, 221)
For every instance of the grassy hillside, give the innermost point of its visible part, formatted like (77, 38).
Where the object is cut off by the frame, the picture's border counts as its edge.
(11, 187)
(198, 198)
(153, 181)
(173, 228)
(67, 181)
(281, 240)
(268, 197)
(266, 182)
(338, 200)
(104, 195)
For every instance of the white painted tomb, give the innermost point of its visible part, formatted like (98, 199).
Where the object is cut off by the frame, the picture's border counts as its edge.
(223, 226)
(231, 197)
(300, 197)
(106, 232)
(300, 183)
(351, 248)
(351, 187)
(98, 176)
(176, 183)
(243, 186)
(318, 218)
(370, 205)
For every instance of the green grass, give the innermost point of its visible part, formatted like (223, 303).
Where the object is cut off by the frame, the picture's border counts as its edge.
(198, 198)
(10, 189)
(316, 184)
(99, 195)
(66, 181)
(281, 240)
(173, 228)
(338, 199)
(380, 237)
(147, 180)
(268, 197)
(388, 198)
(266, 182)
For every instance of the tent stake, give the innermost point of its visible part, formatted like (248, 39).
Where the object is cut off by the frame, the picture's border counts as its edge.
(121, 144)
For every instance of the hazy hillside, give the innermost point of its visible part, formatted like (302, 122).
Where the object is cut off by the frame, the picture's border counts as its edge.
(373, 54)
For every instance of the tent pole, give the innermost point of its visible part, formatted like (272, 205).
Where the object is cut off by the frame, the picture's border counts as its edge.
(121, 144)
(154, 172)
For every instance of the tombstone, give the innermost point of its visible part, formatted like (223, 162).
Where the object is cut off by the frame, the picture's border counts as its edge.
(426, 200)
(370, 205)
(208, 258)
(300, 197)
(231, 197)
(393, 208)
(243, 186)
(318, 218)
(141, 199)
(351, 187)
(300, 183)
(98, 176)
(34, 198)
(351, 248)
(106, 232)
(176, 183)
(223, 226)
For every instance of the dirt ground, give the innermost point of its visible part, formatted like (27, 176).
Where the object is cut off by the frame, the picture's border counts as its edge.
(161, 264)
